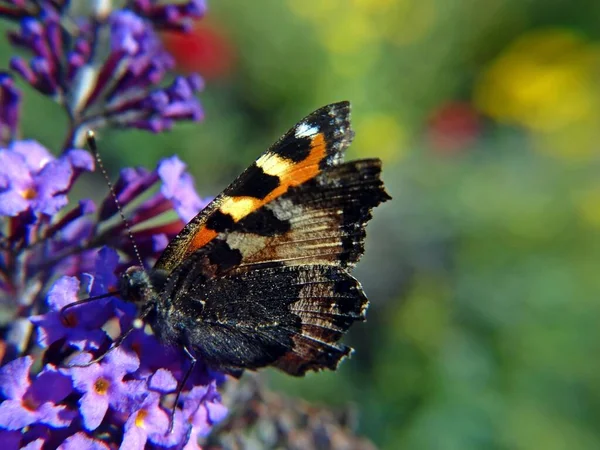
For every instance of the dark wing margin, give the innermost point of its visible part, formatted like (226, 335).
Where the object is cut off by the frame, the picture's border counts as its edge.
(318, 141)
(330, 303)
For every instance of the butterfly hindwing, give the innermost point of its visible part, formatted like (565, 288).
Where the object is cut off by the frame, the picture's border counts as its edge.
(331, 301)
(316, 142)
(291, 317)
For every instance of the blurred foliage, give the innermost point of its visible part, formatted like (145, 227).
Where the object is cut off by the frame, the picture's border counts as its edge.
(482, 272)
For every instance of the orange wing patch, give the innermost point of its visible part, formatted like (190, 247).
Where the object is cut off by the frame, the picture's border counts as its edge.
(289, 174)
(203, 237)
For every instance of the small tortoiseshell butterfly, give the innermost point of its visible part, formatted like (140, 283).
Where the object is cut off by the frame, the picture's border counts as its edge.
(261, 276)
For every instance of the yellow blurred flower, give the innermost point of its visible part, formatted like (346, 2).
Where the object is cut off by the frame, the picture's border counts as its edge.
(407, 21)
(359, 26)
(349, 35)
(547, 82)
(315, 10)
(350, 32)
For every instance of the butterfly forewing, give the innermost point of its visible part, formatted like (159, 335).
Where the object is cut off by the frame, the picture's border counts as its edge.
(319, 222)
(316, 142)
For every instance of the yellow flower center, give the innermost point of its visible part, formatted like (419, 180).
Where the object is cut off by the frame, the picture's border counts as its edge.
(29, 403)
(101, 386)
(29, 194)
(140, 418)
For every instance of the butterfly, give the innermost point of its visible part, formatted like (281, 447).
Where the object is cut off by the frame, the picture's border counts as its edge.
(261, 276)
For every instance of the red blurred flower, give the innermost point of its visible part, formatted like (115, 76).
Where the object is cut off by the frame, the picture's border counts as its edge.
(205, 50)
(453, 127)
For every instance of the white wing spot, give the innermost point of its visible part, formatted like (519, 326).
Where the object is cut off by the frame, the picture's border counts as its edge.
(305, 130)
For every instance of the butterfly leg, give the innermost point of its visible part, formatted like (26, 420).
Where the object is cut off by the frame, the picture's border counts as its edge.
(193, 362)
(137, 324)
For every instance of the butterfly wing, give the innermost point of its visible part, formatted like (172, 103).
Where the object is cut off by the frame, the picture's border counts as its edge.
(290, 316)
(316, 142)
(319, 222)
(271, 285)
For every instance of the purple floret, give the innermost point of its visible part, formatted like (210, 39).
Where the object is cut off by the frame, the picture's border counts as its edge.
(79, 326)
(29, 402)
(103, 384)
(147, 422)
(203, 408)
(31, 178)
(178, 187)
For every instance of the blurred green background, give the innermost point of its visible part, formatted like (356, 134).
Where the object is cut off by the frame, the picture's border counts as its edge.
(483, 327)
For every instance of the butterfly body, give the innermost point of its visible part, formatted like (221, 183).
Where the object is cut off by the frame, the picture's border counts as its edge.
(261, 277)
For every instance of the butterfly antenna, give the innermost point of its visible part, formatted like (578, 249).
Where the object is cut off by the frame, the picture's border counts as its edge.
(91, 142)
(86, 300)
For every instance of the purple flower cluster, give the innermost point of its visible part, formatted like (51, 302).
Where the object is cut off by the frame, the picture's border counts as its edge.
(55, 250)
(20, 9)
(110, 72)
(131, 387)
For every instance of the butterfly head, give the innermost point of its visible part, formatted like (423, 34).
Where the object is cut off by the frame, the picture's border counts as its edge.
(139, 286)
